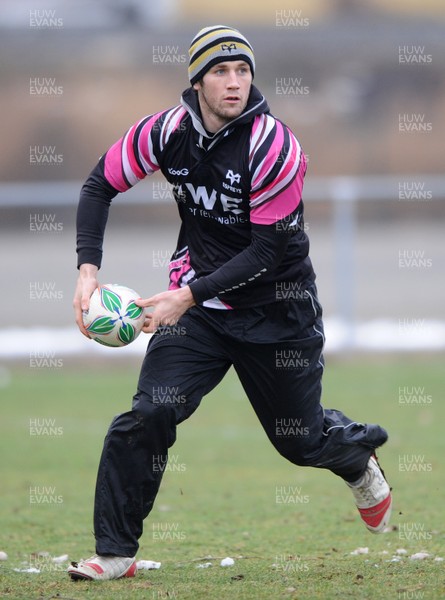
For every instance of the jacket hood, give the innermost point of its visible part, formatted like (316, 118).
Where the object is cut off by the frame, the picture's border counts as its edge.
(256, 105)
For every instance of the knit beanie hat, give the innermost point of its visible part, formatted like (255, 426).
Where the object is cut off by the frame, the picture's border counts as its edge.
(216, 44)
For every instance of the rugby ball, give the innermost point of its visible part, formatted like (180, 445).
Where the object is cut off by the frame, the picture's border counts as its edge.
(113, 318)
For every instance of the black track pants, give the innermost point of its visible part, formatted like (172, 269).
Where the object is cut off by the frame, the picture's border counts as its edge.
(276, 351)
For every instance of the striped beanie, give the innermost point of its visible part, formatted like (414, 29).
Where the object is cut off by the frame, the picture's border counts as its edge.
(215, 44)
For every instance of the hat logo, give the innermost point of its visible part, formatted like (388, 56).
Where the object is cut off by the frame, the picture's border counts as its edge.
(228, 47)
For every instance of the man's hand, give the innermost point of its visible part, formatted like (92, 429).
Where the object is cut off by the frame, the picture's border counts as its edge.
(168, 306)
(86, 284)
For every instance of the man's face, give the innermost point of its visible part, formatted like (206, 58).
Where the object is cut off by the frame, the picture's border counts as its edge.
(223, 93)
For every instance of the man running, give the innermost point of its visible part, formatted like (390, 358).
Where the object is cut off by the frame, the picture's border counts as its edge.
(237, 174)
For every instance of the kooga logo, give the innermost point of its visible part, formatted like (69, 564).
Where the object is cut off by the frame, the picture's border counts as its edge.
(178, 171)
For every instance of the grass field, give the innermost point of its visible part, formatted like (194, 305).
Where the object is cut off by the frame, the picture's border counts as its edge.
(226, 492)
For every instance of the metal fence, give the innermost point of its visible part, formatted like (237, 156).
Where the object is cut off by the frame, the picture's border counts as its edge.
(343, 199)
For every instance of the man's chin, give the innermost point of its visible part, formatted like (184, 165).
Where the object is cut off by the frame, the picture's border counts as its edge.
(229, 114)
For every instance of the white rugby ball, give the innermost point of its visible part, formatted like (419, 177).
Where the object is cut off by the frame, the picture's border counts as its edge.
(113, 318)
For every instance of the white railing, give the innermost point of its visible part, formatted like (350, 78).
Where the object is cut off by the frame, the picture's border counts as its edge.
(340, 189)
(343, 193)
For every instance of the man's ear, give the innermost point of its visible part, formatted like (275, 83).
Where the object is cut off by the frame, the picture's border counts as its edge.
(197, 86)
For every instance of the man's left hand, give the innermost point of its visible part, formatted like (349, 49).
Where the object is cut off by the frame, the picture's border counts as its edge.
(168, 307)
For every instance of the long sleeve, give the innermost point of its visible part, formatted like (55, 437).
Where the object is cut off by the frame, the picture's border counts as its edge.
(265, 252)
(92, 215)
(130, 159)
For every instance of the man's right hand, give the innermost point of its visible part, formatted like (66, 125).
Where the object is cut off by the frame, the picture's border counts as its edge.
(86, 284)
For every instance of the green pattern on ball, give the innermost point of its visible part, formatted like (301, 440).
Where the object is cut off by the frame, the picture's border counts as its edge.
(133, 311)
(126, 333)
(110, 300)
(101, 326)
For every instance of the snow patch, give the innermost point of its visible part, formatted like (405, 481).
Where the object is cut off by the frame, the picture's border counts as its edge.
(148, 565)
(376, 335)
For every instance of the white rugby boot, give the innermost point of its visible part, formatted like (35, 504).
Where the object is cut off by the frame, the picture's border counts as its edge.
(103, 567)
(372, 496)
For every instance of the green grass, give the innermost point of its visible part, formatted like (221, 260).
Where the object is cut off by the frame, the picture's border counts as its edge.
(220, 499)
